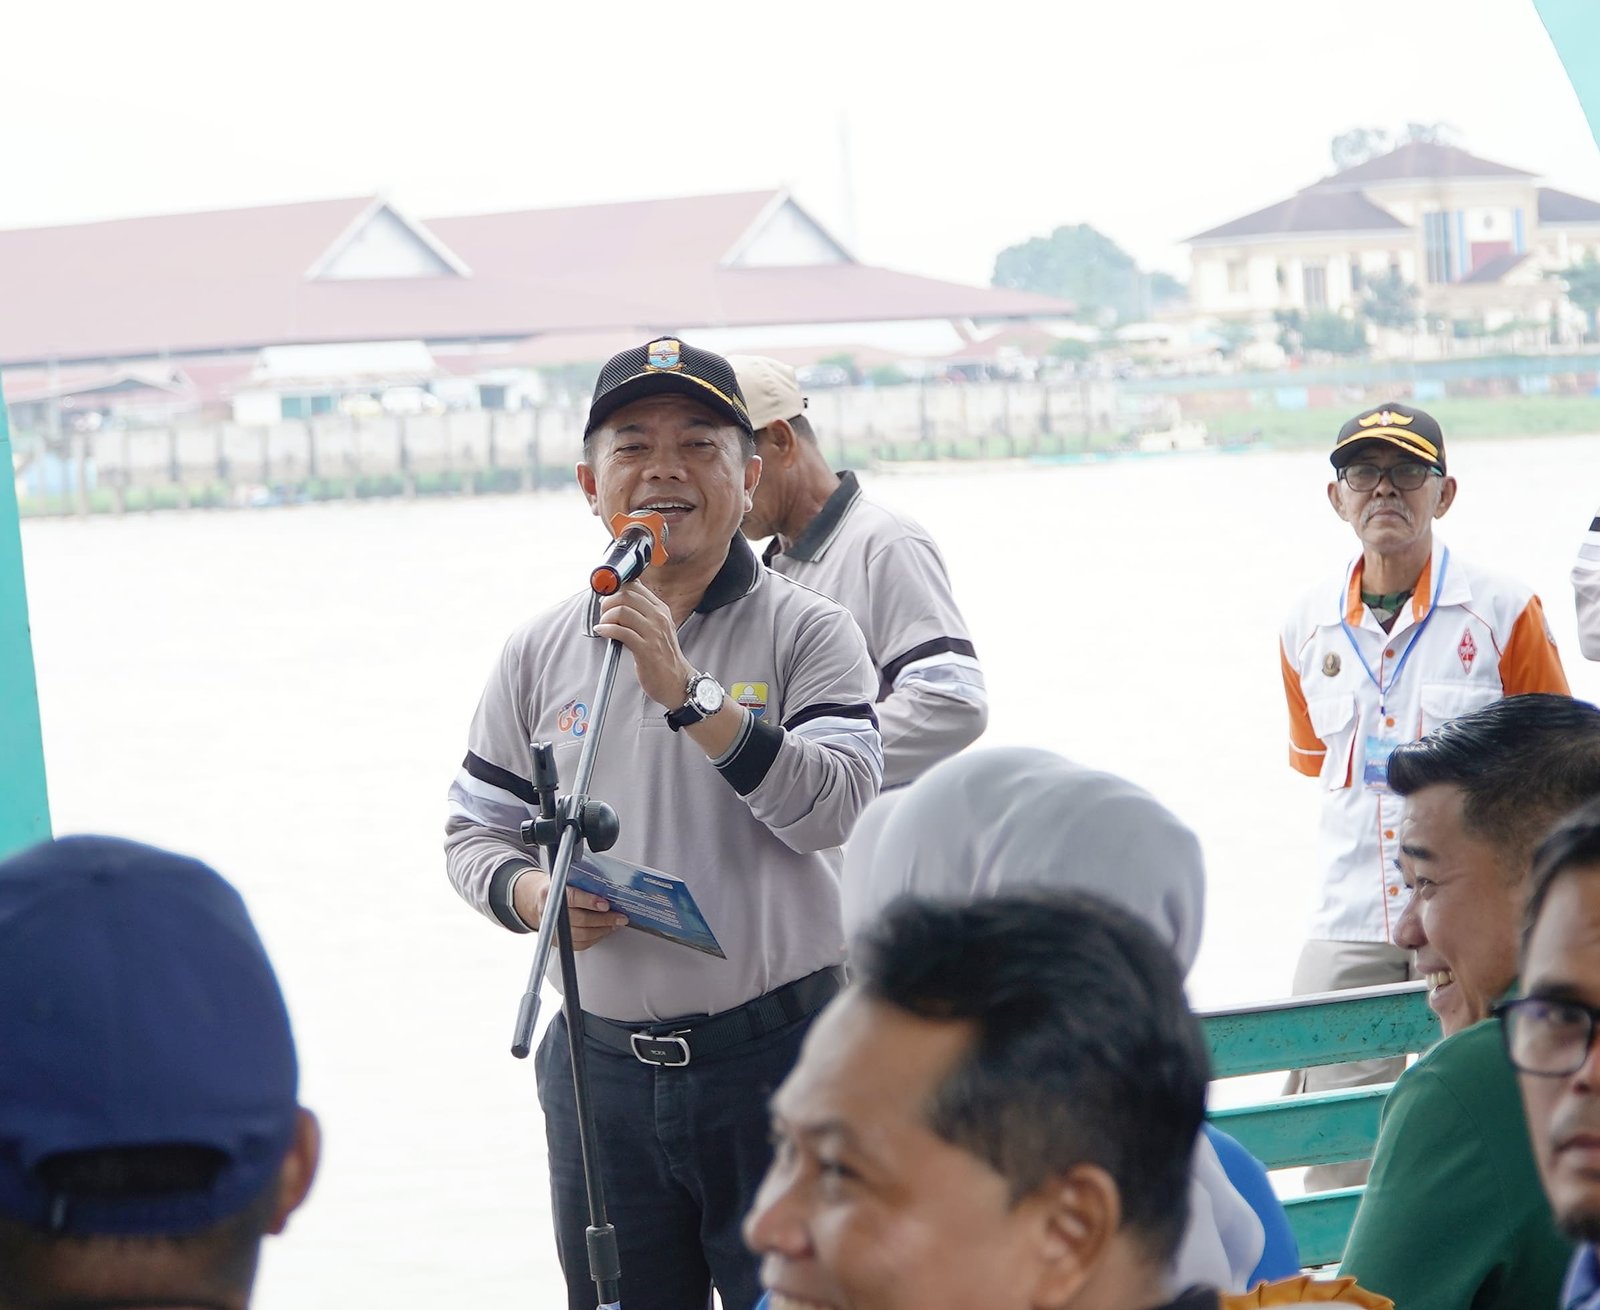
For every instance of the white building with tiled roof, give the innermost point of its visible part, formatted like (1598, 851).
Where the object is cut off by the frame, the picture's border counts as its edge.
(1476, 238)
(490, 296)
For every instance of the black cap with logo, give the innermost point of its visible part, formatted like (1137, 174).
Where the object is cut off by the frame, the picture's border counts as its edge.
(1412, 430)
(663, 367)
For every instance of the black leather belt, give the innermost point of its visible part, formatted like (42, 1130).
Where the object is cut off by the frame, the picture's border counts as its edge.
(673, 1043)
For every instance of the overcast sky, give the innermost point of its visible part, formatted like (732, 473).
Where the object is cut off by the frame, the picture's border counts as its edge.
(927, 136)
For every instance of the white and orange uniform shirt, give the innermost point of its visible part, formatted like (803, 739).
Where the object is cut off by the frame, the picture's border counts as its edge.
(1586, 591)
(1478, 636)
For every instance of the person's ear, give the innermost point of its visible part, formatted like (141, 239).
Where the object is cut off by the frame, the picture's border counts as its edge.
(587, 485)
(782, 441)
(1336, 501)
(1078, 1214)
(298, 1171)
(1447, 496)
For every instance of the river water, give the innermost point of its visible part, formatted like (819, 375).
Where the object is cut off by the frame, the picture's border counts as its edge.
(285, 694)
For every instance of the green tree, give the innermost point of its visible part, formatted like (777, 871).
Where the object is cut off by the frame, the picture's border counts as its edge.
(1235, 337)
(1390, 301)
(1334, 333)
(1359, 144)
(847, 362)
(1320, 330)
(1164, 288)
(1074, 263)
(1582, 283)
(1070, 350)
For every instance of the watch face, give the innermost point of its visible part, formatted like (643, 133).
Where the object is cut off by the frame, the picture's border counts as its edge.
(707, 695)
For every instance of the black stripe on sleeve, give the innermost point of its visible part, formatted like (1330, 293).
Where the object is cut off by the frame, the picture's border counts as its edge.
(938, 646)
(504, 779)
(752, 759)
(500, 894)
(1595, 526)
(860, 710)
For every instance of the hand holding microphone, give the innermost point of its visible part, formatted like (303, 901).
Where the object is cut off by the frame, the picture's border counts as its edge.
(638, 618)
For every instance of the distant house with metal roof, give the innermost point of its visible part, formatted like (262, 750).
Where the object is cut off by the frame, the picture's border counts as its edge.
(1475, 237)
(739, 270)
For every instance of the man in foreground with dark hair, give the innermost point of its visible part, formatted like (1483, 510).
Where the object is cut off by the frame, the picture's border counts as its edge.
(1453, 1151)
(881, 566)
(998, 1112)
(1549, 1033)
(149, 1130)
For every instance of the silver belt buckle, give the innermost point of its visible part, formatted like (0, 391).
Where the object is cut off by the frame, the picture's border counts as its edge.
(659, 1049)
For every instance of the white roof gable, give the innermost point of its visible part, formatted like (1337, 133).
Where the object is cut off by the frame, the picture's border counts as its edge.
(383, 243)
(785, 236)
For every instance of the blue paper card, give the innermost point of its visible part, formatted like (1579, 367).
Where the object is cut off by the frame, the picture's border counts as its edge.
(655, 902)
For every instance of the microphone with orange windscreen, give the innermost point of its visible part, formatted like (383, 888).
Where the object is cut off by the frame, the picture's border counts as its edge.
(641, 540)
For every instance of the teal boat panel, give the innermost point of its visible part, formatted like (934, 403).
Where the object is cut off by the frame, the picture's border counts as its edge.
(24, 803)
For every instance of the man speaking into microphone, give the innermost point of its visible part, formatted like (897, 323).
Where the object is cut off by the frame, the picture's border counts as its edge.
(739, 747)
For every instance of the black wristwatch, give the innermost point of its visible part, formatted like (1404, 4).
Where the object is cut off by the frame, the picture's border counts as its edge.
(705, 696)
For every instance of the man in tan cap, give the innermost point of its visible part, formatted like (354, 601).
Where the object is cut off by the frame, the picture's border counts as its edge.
(881, 566)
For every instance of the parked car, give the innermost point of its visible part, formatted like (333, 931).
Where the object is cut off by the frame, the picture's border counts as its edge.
(411, 400)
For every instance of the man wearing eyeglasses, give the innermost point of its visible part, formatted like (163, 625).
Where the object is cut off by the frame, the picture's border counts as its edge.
(1408, 637)
(1549, 1036)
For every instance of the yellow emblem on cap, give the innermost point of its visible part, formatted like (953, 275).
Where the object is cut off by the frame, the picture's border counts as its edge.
(664, 356)
(1387, 417)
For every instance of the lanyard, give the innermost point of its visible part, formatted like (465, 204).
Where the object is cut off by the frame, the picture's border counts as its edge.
(1416, 636)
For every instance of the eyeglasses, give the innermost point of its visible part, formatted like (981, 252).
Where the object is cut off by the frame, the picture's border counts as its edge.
(1405, 476)
(1546, 1037)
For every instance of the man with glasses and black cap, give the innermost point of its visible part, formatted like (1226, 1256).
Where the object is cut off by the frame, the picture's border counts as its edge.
(745, 797)
(1408, 637)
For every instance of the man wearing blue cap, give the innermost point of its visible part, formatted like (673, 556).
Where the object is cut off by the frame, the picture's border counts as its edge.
(150, 1134)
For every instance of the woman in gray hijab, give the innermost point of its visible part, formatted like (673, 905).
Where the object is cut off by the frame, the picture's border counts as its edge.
(1012, 818)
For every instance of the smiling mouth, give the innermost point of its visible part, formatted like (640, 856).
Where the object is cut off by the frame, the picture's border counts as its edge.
(667, 508)
(1438, 978)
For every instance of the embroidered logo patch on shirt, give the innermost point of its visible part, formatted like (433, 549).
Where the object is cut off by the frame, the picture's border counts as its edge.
(752, 695)
(573, 717)
(1467, 650)
(1330, 664)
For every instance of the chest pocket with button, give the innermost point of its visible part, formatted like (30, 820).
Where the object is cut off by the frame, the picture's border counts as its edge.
(1443, 701)
(1333, 719)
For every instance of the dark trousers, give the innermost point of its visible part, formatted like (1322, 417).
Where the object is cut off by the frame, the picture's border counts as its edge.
(682, 1152)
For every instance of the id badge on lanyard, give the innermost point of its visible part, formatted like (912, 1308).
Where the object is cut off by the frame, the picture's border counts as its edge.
(1375, 760)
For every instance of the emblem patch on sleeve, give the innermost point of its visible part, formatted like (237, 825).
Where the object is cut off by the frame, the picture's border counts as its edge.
(752, 695)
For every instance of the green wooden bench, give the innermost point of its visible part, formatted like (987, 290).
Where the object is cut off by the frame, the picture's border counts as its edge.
(1322, 1128)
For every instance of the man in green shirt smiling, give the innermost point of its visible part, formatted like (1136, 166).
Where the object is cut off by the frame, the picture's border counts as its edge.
(1454, 1215)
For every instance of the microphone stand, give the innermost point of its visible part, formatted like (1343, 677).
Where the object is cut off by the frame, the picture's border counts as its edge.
(562, 828)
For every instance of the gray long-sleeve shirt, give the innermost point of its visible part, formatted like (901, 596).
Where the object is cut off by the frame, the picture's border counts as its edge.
(885, 569)
(755, 836)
